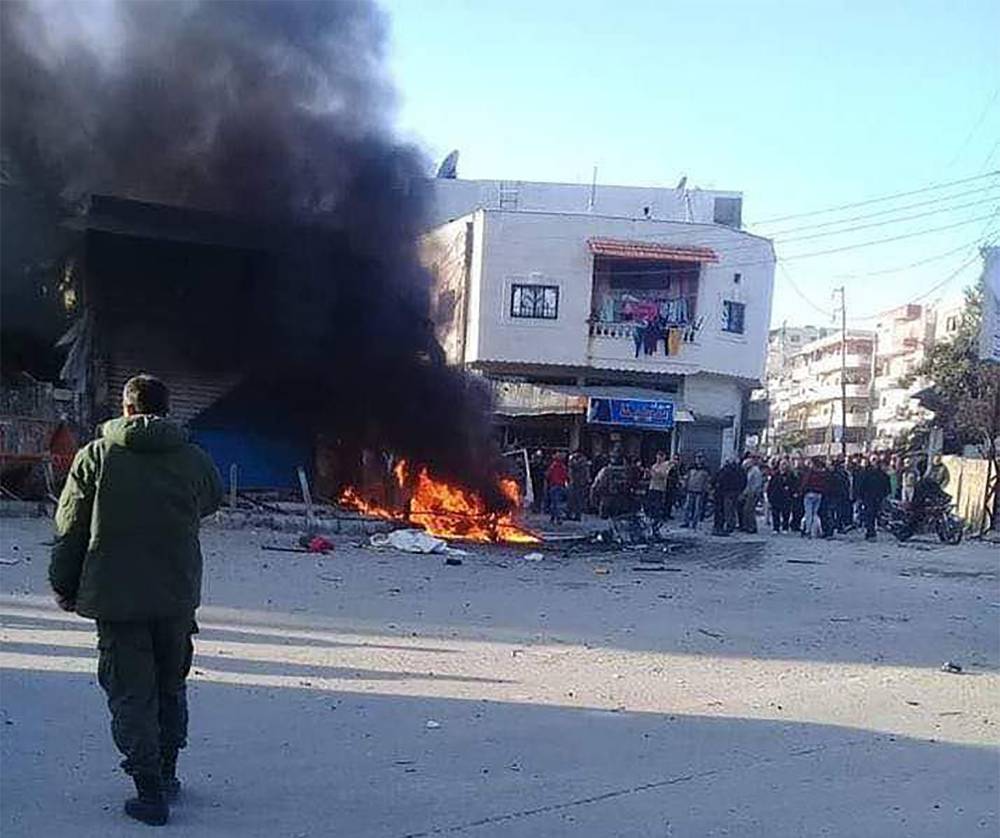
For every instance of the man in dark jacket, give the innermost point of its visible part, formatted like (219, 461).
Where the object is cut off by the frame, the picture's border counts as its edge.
(873, 487)
(838, 499)
(127, 555)
(729, 484)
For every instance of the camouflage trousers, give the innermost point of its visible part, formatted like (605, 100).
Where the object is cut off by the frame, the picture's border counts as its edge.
(143, 668)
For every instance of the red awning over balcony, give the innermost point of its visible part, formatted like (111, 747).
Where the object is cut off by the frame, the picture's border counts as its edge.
(651, 250)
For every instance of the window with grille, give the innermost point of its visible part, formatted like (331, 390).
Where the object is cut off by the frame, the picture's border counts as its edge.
(536, 302)
(733, 317)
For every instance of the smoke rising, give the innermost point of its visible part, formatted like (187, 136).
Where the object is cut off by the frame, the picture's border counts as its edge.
(279, 112)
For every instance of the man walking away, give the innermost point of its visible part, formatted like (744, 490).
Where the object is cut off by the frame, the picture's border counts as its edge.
(751, 495)
(779, 497)
(873, 488)
(127, 555)
(729, 483)
(697, 487)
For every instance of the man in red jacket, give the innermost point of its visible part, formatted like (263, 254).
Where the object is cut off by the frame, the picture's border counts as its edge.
(556, 483)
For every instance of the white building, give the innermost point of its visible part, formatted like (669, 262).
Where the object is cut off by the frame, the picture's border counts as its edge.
(904, 335)
(806, 396)
(803, 382)
(598, 329)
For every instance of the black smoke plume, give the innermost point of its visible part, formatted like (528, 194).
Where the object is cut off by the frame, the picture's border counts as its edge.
(277, 112)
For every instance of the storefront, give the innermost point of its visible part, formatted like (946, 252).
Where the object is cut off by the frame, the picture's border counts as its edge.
(636, 421)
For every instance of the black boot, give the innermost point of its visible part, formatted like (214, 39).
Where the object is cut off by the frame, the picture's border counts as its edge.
(168, 778)
(149, 806)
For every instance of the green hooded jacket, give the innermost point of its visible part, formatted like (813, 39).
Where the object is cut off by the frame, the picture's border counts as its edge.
(127, 523)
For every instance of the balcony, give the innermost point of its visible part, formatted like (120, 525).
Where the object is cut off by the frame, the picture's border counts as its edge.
(854, 420)
(612, 346)
(830, 392)
(831, 363)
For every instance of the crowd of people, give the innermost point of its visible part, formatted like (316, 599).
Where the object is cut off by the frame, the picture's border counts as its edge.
(817, 497)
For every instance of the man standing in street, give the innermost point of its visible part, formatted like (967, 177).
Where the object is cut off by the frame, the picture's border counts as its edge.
(657, 493)
(127, 555)
(579, 484)
(873, 489)
(556, 487)
(696, 484)
(729, 482)
(751, 495)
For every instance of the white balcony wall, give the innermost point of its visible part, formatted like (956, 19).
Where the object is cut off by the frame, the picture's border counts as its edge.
(551, 249)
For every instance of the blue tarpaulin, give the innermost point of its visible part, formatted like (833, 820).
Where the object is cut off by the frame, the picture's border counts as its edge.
(263, 461)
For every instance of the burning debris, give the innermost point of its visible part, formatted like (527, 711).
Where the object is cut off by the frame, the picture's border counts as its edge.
(277, 115)
(446, 510)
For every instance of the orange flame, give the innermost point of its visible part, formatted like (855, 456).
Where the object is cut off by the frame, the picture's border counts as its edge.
(448, 511)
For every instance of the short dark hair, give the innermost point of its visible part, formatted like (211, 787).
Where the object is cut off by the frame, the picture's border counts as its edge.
(147, 394)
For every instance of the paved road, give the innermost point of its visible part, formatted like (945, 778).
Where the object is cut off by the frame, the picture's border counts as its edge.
(737, 692)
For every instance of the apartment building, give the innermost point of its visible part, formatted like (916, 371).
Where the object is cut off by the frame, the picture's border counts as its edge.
(606, 326)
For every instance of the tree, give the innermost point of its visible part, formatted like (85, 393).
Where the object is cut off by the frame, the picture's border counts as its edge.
(964, 391)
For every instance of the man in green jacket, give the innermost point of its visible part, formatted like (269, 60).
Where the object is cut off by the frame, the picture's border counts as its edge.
(127, 555)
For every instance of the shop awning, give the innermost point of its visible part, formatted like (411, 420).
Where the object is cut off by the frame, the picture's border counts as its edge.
(522, 399)
(651, 250)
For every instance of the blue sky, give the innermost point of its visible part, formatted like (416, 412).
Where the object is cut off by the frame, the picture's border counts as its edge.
(801, 106)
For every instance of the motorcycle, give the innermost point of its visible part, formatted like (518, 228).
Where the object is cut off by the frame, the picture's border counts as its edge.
(904, 522)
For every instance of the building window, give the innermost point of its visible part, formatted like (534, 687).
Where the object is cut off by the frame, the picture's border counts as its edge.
(537, 302)
(733, 317)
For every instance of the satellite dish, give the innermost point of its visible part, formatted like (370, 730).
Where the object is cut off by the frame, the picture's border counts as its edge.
(449, 166)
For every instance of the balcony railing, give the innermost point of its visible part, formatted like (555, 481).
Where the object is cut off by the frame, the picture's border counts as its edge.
(626, 331)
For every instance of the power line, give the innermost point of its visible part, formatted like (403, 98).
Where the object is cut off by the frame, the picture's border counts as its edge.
(888, 221)
(812, 254)
(825, 312)
(975, 127)
(866, 216)
(910, 265)
(936, 287)
(882, 198)
(982, 240)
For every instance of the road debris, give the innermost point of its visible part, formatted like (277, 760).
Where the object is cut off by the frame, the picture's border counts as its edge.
(533, 557)
(803, 561)
(432, 725)
(716, 635)
(413, 541)
(952, 667)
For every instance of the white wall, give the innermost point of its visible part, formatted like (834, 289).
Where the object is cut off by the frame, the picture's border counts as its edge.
(452, 198)
(552, 249)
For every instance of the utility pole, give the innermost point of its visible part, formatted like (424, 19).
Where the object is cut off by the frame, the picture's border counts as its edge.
(843, 370)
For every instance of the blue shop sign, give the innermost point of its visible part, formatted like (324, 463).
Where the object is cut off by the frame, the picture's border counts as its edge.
(636, 413)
